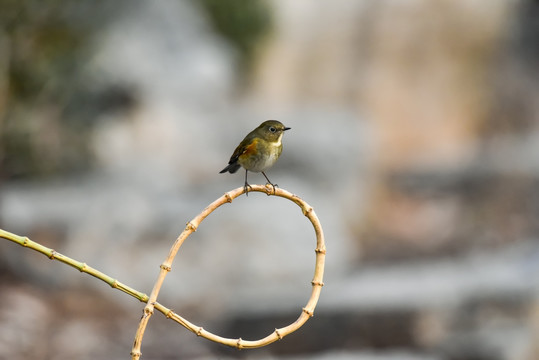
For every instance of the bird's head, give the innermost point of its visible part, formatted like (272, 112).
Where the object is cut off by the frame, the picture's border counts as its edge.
(271, 130)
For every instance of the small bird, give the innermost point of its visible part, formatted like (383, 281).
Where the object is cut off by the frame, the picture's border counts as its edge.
(258, 151)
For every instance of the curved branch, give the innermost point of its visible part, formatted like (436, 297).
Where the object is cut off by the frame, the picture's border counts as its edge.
(239, 343)
(151, 301)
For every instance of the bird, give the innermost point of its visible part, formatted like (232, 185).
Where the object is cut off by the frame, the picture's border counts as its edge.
(258, 151)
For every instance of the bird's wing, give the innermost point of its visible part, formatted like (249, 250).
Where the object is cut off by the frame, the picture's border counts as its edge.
(245, 148)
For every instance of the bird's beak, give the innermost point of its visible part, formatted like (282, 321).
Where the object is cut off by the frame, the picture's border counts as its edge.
(286, 128)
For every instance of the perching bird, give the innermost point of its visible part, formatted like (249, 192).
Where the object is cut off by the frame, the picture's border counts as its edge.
(258, 151)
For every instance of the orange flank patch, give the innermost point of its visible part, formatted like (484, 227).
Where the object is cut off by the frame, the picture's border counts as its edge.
(250, 149)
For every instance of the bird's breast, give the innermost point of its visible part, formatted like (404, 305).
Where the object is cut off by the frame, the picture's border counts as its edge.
(260, 156)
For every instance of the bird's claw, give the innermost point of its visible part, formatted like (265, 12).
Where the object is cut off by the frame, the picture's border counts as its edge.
(273, 186)
(246, 189)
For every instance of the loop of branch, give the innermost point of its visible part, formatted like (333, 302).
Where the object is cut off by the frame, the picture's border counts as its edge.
(307, 311)
(165, 267)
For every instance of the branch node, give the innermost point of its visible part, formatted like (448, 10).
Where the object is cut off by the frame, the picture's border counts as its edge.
(199, 331)
(148, 311)
(307, 211)
(278, 334)
(308, 312)
(239, 346)
(83, 267)
(51, 256)
(320, 250)
(25, 241)
(165, 267)
(169, 314)
(190, 226)
(317, 283)
(114, 284)
(228, 198)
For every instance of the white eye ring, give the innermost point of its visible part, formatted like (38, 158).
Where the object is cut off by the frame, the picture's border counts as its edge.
(272, 129)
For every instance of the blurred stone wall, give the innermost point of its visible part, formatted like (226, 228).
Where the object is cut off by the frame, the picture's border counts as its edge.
(426, 77)
(414, 136)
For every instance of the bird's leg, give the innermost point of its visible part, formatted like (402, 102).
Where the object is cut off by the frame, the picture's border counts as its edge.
(270, 183)
(246, 186)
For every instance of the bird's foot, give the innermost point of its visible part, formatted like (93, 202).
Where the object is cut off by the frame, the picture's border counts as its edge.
(273, 186)
(247, 188)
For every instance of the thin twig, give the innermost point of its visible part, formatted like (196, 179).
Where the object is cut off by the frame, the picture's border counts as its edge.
(82, 267)
(166, 266)
(191, 226)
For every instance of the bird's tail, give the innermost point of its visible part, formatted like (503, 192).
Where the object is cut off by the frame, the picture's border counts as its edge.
(231, 168)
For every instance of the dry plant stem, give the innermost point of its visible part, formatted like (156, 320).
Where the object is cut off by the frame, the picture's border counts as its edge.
(82, 267)
(278, 334)
(152, 304)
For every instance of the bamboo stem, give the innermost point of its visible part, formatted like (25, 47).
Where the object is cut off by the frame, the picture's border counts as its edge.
(82, 267)
(306, 313)
(151, 301)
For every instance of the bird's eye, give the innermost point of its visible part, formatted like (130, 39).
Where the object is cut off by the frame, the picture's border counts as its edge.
(272, 129)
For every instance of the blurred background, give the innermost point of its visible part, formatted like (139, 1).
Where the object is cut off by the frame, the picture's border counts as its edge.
(414, 136)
